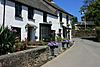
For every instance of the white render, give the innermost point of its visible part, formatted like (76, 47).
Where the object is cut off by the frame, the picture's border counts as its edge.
(55, 23)
(11, 21)
(1, 13)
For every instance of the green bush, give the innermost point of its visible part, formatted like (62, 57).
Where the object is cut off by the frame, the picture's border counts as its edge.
(98, 33)
(58, 38)
(19, 45)
(7, 40)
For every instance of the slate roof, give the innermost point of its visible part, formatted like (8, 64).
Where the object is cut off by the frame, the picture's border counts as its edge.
(57, 7)
(36, 4)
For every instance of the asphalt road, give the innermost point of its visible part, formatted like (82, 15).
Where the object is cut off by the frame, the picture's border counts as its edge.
(84, 53)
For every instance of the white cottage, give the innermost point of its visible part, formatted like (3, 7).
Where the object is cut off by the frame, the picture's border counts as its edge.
(35, 19)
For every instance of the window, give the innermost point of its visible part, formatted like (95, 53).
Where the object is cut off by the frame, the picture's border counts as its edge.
(67, 19)
(60, 17)
(18, 9)
(30, 13)
(18, 31)
(44, 17)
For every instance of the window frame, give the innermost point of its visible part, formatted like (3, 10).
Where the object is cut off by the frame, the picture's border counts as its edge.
(60, 14)
(44, 17)
(67, 18)
(30, 13)
(18, 10)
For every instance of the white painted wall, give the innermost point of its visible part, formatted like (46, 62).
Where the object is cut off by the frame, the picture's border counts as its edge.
(70, 26)
(38, 16)
(58, 20)
(55, 24)
(64, 19)
(1, 12)
(10, 20)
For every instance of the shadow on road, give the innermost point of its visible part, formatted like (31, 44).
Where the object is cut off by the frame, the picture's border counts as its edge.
(91, 38)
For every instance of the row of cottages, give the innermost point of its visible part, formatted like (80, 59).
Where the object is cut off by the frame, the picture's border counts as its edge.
(35, 19)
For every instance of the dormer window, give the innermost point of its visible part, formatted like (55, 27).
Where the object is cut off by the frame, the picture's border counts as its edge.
(18, 10)
(30, 13)
(44, 17)
(60, 17)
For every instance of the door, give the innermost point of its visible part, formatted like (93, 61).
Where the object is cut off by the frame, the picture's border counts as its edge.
(29, 35)
(64, 32)
(45, 32)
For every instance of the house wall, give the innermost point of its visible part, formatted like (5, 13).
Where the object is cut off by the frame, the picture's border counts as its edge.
(1, 12)
(12, 21)
(55, 24)
(64, 19)
(38, 16)
(70, 26)
(58, 13)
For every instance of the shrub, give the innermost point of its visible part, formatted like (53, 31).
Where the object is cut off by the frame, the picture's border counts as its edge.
(19, 45)
(98, 33)
(37, 43)
(58, 39)
(7, 40)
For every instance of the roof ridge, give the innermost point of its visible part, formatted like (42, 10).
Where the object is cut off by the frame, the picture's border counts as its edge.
(57, 7)
(37, 4)
(48, 7)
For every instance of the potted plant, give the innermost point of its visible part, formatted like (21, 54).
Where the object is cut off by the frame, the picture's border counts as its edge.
(53, 45)
(65, 42)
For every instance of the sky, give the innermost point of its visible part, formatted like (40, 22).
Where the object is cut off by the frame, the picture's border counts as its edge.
(71, 6)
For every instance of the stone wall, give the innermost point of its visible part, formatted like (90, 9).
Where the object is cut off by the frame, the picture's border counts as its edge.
(28, 58)
(83, 33)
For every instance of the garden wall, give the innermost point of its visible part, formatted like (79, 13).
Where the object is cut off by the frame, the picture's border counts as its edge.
(27, 58)
(83, 33)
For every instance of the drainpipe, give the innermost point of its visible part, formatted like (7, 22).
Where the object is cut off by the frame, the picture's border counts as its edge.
(4, 13)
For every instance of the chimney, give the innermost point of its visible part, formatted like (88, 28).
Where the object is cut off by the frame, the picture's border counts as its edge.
(50, 0)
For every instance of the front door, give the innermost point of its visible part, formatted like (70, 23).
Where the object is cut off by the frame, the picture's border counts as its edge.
(64, 32)
(29, 34)
(45, 30)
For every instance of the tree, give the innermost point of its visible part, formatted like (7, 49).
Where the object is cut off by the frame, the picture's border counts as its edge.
(91, 10)
(74, 21)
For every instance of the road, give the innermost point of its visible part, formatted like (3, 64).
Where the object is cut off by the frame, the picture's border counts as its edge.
(84, 53)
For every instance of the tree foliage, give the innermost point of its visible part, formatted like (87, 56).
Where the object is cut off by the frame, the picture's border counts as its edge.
(74, 20)
(91, 10)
